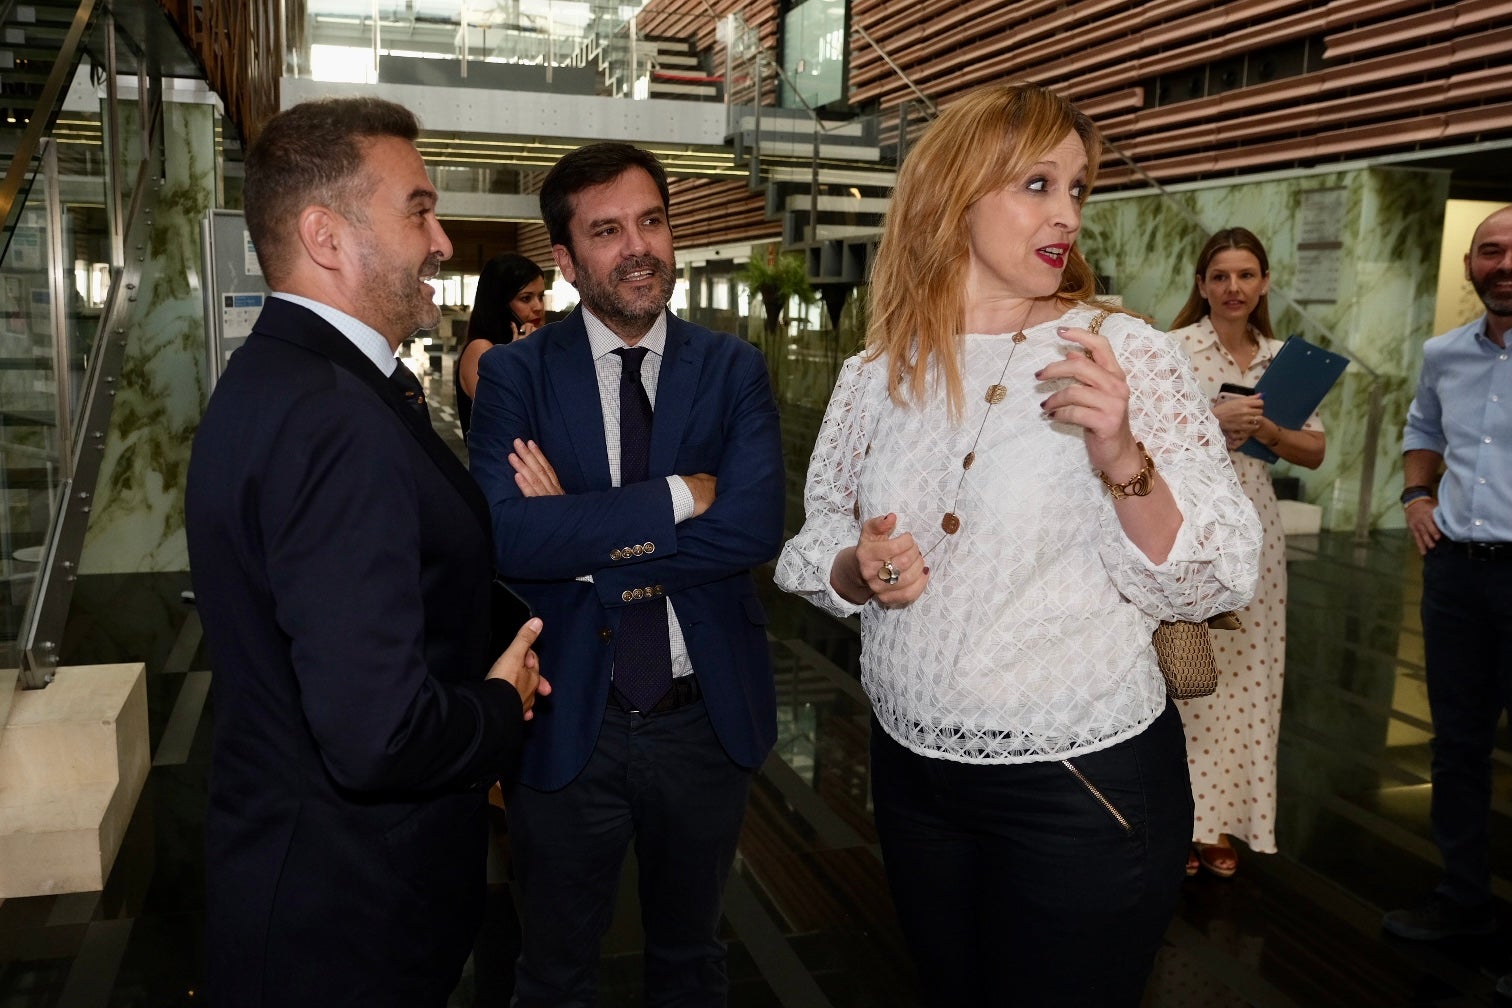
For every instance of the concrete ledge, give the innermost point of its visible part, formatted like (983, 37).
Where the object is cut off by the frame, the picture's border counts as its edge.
(1298, 518)
(73, 758)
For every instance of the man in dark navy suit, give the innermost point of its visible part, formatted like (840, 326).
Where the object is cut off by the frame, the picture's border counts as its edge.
(341, 564)
(633, 465)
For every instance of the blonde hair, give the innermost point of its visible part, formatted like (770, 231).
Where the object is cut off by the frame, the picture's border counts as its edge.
(978, 145)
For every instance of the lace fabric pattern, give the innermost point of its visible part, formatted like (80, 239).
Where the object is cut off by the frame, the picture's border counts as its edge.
(1032, 640)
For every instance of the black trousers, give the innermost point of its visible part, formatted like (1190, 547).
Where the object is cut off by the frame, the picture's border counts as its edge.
(663, 782)
(1467, 639)
(1036, 883)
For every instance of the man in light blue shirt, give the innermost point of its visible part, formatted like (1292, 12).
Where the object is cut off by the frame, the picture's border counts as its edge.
(1460, 421)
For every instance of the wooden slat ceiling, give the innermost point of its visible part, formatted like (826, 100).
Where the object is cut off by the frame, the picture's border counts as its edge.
(1380, 77)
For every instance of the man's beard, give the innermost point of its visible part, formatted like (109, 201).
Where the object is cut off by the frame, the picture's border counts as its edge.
(1495, 304)
(392, 296)
(606, 299)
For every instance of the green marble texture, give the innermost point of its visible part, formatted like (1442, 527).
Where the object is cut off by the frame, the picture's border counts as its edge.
(137, 523)
(1389, 237)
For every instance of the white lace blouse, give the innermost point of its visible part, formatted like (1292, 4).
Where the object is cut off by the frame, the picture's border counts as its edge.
(1032, 640)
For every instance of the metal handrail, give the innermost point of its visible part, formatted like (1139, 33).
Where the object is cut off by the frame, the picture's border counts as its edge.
(930, 108)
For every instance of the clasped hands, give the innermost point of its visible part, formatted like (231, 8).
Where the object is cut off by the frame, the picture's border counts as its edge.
(1240, 418)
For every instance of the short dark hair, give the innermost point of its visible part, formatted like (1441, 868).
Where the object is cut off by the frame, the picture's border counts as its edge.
(595, 164)
(312, 154)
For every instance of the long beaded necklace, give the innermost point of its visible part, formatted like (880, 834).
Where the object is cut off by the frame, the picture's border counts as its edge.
(950, 522)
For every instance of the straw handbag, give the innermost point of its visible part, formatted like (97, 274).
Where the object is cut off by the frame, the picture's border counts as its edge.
(1185, 653)
(1183, 649)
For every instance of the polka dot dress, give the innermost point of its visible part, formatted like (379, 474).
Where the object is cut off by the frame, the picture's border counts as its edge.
(1231, 735)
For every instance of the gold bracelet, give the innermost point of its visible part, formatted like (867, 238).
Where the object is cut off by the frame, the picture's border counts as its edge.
(1138, 485)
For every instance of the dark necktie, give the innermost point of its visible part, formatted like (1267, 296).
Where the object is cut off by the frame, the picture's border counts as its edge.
(642, 648)
(413, 392)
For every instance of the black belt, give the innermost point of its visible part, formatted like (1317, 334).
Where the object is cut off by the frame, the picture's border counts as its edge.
(685, 690)
(1485, 551)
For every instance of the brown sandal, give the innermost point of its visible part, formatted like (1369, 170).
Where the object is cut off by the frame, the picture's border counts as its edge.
(1193, 862)
(1219, 859)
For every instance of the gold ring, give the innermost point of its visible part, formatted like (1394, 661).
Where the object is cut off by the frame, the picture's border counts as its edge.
(888, 573)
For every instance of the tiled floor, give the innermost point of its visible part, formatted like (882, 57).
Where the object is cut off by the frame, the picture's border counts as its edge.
(807, 913)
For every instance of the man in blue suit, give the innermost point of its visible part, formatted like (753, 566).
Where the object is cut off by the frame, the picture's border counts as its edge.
(341, 566)
(632, 463)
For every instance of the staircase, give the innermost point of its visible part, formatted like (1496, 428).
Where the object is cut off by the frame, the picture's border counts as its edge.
(824, 179)
(649, 66)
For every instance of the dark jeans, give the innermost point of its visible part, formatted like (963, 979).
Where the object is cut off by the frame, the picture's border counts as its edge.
(663, 781)
(1467, 638)
(1015, 885)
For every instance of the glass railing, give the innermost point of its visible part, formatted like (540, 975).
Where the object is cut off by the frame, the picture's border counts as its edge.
(56, 275)
(45, 331)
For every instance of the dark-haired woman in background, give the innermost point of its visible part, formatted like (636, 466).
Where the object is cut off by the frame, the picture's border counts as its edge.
(1231, 736)
(509, 303)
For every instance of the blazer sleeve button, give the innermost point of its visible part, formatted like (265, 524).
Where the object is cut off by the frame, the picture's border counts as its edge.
(626, 596)
(616, 554)
(605, 634)
(650, 548)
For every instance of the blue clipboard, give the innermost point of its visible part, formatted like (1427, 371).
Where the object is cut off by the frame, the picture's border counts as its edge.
(1294, 384)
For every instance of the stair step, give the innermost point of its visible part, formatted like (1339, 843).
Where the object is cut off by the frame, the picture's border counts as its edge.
(834, 176)
(787, 121)
(689, 61)
(27, 479)
(827, 151)
(665, 89)
(874, 205)
(44, 14)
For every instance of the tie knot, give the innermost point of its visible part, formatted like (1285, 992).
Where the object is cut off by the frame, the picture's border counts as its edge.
(631, 358)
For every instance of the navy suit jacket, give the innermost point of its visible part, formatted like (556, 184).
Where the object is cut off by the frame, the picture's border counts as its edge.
(341, 566)
(714, 414)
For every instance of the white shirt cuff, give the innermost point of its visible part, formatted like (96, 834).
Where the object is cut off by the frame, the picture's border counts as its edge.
(682, 499)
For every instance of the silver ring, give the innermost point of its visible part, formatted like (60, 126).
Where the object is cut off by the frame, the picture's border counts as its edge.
(888, 573)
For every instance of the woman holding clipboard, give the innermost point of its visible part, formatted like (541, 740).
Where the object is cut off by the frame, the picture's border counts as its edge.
(1225, 331)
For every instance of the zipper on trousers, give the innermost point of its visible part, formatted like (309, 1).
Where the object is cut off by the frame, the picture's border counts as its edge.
(1092, 790)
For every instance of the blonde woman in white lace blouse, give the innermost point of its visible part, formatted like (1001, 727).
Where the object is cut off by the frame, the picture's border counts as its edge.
(1029, 775)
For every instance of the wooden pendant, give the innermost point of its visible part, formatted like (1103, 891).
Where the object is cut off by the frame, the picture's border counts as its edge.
(970, 458)
(950, 523)
(996, 394)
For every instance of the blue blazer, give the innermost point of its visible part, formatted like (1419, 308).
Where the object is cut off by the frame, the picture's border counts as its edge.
(714, 414)
(340, 558)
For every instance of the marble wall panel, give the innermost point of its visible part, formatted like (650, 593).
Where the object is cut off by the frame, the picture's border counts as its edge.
(137, 524)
